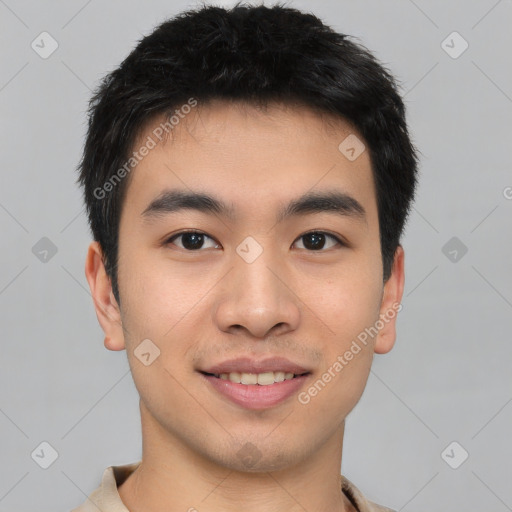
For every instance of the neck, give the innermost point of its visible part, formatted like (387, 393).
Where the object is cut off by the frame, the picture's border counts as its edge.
(173, 476)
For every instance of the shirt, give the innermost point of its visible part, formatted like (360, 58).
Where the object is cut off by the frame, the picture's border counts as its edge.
(106, 497)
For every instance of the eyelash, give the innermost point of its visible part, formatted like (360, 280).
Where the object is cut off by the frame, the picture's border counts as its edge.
(192, 231)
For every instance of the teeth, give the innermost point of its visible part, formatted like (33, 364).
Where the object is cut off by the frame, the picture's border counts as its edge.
(263, 379)
(249, 378)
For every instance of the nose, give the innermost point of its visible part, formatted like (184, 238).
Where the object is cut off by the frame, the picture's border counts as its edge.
(257, 299)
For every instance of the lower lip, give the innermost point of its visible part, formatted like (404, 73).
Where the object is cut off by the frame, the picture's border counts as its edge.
(254, 396)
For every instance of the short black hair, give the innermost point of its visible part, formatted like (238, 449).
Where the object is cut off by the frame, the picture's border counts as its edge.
(252, 54)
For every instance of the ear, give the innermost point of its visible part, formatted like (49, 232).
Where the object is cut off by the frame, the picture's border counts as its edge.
(391, 297)
(107, 309)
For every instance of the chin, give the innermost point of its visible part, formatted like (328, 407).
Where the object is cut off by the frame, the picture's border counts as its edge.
(258, 457)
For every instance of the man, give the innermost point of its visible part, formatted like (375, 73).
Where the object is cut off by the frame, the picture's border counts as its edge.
(247, 174)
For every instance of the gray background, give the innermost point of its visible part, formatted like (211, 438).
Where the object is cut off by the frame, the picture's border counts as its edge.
(448, 377)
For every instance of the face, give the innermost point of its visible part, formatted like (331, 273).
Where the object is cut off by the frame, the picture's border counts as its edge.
(263, 271)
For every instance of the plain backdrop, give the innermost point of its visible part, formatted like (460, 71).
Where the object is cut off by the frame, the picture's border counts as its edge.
(448, 379)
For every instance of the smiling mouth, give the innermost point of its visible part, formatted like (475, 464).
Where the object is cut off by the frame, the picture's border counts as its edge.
(260, 379)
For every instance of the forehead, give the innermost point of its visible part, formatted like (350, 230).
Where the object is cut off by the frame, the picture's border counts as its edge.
(242, 153)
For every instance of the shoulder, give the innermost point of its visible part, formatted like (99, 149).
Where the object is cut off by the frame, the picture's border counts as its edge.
(89, 505)
(373, 507)
(359, 501)
(106, 497)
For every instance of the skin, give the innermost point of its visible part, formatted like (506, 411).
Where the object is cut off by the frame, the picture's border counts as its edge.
(205, 306)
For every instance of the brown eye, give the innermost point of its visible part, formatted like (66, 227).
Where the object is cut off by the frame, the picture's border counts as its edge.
(192, 240)
(317, 240)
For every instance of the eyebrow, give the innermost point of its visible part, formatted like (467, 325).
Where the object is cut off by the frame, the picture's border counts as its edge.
(170, 201)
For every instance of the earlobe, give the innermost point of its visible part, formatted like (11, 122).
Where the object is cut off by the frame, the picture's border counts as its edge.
(105, 304)
(390, 306)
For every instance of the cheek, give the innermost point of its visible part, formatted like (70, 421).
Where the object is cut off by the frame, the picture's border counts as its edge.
(348, 352)
(163, 305)
(150, 288)
(348, 305)
(349, 348)
(347, 300)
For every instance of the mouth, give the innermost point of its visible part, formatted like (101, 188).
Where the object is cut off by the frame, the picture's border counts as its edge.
(255, 391)
(255, 384)
(259, 379)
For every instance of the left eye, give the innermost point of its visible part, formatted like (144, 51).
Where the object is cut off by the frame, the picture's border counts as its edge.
(316, 240)
(195, 240)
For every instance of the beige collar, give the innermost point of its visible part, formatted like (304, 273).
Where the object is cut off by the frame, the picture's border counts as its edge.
(106, 497)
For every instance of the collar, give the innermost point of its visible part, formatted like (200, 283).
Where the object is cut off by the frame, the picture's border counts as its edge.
(106, 496)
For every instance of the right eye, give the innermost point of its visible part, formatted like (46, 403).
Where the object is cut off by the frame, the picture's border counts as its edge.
(191, 240)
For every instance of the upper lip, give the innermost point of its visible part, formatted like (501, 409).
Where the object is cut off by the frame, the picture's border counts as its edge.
(250, 365)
